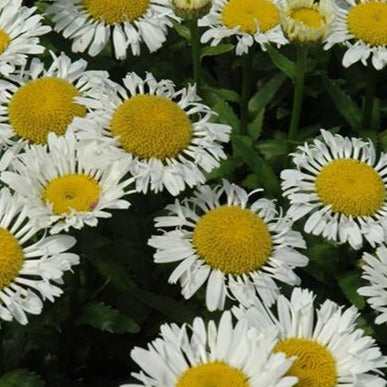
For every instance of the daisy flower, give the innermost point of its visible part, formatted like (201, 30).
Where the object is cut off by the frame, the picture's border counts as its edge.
(341, 184)
(36, 101)
(91, 23)
(68, 184)
(305, 21)
(238, 245)
(20, 29)
(362, 28)
(375, 273)
(249, 20)
(29, 271)
(208, 355)
(166, 133)
(331, 351)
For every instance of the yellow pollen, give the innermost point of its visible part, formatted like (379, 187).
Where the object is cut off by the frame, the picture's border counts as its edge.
(245, 14)
(151, 126)
(309, 17)
(232, 239)
(315, 366)
(351, 187)
(5, 40)
(11, 258)
(216, 374)
(368, 22)
(116, 11)
(78, 192)
(42, 106)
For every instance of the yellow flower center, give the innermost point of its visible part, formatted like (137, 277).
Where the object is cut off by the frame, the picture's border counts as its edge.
(216, 374)
(351, 187)
(233, 240)
(245, 14)
(151, 126)
(78, 192)
(309, 17)
(4, 41)
(43, 105)
(116, 11)
(11, 258)
(368, 22)
(315, 366)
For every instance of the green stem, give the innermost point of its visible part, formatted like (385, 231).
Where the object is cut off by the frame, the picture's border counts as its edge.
(302, 53)
(2, 369)
(195, 43)
(370, 84)
(247, 66)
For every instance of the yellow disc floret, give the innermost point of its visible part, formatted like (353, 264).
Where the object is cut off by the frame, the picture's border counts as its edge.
(151, 126)
(78, 192)
(42, 106)
(116, 11)
(245, 14)
(215, 374)
(5, 40)
(314, 366)
(368, 22)
(11, 258)
(308, 16)
(351, 187)
(232, 239)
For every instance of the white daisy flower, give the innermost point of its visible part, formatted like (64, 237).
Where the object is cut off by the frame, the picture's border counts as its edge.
(29, 271)
(241, 246)
(375, 273)
(20, 29)
(306, 21)
(249, 20)
(67, 183)
(91, 23)
(167, 133)
(330, 349)
(362, 28)
(342, 185)
(37, 101)
(220, 356)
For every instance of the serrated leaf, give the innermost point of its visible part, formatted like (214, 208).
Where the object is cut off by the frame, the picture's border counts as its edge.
(226, 115)
(257, 164)
(349, 283)
(287, 66)
(343, 103)
(105, 318)
(215, 50)
(21, 378)
(182, 30)
(266, 93)
(256, 126)
(224, 94)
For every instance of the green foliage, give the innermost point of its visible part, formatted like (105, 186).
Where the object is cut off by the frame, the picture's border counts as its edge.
(21, 378)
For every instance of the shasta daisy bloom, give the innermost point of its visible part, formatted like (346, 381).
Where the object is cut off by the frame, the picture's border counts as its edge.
(68, 184)
(249, 20)
(166, 133)
(330, 349)
(37, 101)
(305, 21)
(375, 273)
(210, 355)
(238, 245)
(20, 29)
(31, 265)
(91, 23)
(362, 28)
(341, 184)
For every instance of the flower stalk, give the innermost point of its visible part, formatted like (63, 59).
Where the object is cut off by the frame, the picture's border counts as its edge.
(247, 66)
(195, 45)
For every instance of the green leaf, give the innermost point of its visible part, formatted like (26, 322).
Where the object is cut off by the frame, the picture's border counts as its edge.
(266, 93)
(215, 50)
(226, 115)
(182, 30)
(21, 378)
(256, 126)
(224, 94)
(257, 164)
(343, 102)
(349, 283)
(282, 62)
(105, 318)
